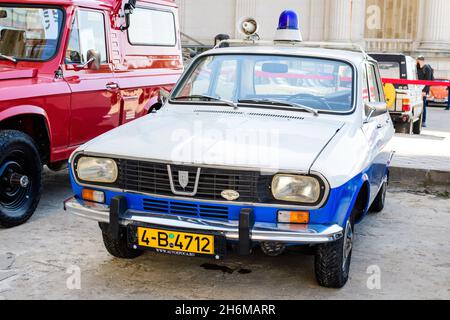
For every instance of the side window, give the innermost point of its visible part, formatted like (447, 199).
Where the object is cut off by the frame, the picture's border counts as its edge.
(374, 94)
(73, 52)
(365, 87)
(150, 27)
(379, 85)
(88, 33)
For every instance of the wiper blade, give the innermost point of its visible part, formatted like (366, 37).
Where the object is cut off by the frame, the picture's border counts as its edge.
(10, 58)
(199, 96)
(282, 103)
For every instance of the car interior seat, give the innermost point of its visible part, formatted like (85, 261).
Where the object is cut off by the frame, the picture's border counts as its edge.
(12, 42)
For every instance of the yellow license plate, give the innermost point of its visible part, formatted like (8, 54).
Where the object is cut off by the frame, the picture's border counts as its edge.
(175, 241)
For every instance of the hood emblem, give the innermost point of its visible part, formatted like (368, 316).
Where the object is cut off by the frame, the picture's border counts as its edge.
(183, 178)
(230, 195)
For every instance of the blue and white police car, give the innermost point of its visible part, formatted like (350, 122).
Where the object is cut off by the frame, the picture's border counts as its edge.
(260, 145)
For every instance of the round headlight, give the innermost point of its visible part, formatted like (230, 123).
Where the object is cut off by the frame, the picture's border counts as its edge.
(303, 189)
(97, 170)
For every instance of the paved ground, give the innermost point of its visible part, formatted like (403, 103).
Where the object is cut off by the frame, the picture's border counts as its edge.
(408, 243)
(431, 150)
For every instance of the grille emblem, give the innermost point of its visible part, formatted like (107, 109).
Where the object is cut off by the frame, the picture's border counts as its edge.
(230, 195)
(183, 181)
(183, 178)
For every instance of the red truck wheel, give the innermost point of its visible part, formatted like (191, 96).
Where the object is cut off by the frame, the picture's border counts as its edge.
(20, 178)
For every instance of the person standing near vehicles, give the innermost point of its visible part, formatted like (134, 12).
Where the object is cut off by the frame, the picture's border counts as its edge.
(424, 72)
(448, 100)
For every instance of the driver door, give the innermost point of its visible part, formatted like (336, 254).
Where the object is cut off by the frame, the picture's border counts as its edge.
(378, 130)
(95, 103)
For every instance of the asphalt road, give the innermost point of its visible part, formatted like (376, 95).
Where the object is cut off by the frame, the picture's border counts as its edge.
(404, 253)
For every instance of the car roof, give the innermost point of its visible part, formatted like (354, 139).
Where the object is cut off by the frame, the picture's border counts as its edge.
(355, 57)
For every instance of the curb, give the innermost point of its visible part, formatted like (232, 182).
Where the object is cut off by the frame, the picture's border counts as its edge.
(419, 177)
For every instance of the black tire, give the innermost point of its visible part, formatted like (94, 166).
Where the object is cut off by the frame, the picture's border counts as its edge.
(19, 156)
(405, 128)
(380, 199)
(119, 248)
(331, 265)
(417, 128)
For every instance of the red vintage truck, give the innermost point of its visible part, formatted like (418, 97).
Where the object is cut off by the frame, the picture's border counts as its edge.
(71, 70)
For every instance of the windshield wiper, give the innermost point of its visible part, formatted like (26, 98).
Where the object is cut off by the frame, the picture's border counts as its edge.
(282, 103)
(205, 97)
(10, 58)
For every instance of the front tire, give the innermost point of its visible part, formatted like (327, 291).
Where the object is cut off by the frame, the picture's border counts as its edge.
(20, 178)
(332, 260)
(119, 247)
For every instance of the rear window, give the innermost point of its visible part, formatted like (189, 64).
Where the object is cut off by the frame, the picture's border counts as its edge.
(151, 27)
(389, 69)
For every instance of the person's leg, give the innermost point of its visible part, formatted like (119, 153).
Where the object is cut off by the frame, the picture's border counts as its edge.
(448, 99)
(424, 119)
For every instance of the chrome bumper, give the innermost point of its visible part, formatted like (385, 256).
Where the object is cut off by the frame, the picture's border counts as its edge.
(271, 232)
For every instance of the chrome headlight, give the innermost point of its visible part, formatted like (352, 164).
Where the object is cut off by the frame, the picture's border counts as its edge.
(96, 170)
(295, 188)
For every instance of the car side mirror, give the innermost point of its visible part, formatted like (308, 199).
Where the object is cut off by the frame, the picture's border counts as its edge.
(3, 14)
(374, 109)
(93, 60)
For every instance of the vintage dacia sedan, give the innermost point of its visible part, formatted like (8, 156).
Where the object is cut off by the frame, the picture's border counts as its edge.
(256, 147)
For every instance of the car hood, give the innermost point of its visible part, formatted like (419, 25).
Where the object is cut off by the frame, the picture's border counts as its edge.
(9, 73)
(270, 141)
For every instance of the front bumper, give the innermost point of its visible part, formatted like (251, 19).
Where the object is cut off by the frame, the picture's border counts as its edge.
(232, 230)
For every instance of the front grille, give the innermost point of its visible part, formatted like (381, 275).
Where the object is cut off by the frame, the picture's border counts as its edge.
(185, 209)
(153, 178)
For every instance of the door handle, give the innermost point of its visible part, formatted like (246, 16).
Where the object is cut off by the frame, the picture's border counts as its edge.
(112, 87)
(379, 126)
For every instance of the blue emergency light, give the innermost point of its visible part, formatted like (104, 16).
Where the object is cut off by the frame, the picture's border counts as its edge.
(288, 20)
(288, 27)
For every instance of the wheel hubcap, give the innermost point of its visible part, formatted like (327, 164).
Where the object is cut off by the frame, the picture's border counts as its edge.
(348, 243)
(15, 184)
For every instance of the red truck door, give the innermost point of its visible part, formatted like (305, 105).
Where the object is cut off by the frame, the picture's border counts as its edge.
(95, 102)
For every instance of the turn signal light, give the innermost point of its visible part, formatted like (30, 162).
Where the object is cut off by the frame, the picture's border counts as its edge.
(300, 217)
(93, 195)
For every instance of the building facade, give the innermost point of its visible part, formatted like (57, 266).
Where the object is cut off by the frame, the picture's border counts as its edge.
(414, 27)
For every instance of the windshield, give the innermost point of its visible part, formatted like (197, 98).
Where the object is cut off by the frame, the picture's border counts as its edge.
(321, 84)
(29, 33)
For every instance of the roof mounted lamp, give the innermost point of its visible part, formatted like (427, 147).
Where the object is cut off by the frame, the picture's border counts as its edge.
(288, 28)
(128, 10)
